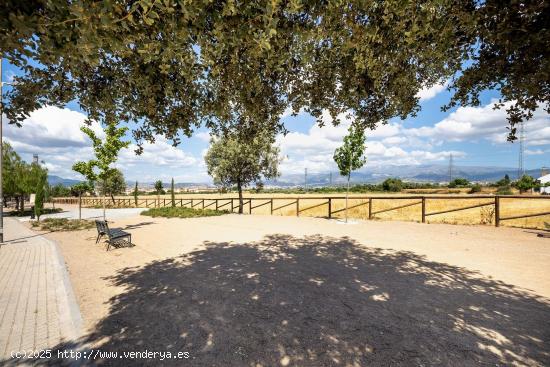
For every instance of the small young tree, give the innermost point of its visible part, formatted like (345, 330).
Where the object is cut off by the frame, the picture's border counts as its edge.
(79, 189)
(172, 195)
(158, 188)
(40, 192)
(136, 193)
(236, 160)
(106, 153)
(351, 155)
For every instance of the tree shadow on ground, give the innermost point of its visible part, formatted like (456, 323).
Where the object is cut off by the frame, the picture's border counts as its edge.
(320, 301)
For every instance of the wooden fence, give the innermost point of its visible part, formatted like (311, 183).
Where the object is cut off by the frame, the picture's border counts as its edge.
(300, 204)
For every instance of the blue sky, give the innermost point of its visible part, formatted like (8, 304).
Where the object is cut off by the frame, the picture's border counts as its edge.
(476, 136)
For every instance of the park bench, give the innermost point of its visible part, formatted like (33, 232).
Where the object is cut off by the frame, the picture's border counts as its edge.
(115, 236)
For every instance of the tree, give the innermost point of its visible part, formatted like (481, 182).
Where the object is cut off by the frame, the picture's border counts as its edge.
(20, 179)
(59, 190)
(11, 169)
(459, 182)
(172, 194)
(170, 65)
(42, 181)
(136, 193)
(81, 188)
(113, 185)
(236, 160)
(392, 184)
(504, 182)
(106, 153)
(158, 186)
(351, 155)
(159, 189)
(526, 183)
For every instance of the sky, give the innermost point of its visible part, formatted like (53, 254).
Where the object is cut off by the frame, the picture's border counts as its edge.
(475, 136)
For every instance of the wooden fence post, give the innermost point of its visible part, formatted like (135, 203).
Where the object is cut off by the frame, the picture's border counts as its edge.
(297, 207)
(271, 205)
(497, 211)
(216, 204)
(423, 209)
(370, 208)
(232, 205)
(329, 208)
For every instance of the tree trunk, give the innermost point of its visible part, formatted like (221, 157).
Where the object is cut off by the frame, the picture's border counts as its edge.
(240, 189)
(103, 201)
(347, 193)
(113, 199)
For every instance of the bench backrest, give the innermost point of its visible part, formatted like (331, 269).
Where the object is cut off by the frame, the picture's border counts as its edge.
(102, 227)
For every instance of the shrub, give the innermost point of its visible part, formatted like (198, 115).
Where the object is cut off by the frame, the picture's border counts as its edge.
(62, 224)
(504, 190)
(487, 214)
(180, 212)
(475, 188)
(459, 182)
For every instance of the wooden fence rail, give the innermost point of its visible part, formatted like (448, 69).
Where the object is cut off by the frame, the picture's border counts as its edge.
(233, 203)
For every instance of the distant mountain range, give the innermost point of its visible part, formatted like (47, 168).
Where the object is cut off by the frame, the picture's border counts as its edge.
(56, 180)
(421, 173)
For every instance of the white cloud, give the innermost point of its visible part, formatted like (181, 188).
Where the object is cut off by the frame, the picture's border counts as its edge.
(203, 135)
(52, 127)
(534, 152)
(54, 134)
(484, 123)
(161, 153)
(388, 144)
(427, 93)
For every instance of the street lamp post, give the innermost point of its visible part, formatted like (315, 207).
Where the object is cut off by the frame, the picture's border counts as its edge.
(1, 155)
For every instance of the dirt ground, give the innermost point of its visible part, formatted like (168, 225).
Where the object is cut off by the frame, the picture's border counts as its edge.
(267, 290)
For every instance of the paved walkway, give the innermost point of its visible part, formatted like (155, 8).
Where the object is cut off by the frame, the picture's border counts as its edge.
(71, 212)
(38, 309)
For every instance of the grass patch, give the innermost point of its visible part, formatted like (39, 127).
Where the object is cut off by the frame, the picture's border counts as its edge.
(179, 212)
(28, 212)
(62, 224)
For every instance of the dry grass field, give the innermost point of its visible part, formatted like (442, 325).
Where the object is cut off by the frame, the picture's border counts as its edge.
(284, 205)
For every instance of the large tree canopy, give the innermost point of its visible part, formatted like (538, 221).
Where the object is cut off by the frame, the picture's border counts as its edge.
(171, 65)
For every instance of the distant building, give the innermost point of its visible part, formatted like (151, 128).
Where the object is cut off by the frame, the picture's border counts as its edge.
(544, 180)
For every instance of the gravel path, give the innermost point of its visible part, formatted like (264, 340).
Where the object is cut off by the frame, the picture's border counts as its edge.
(267, 290)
